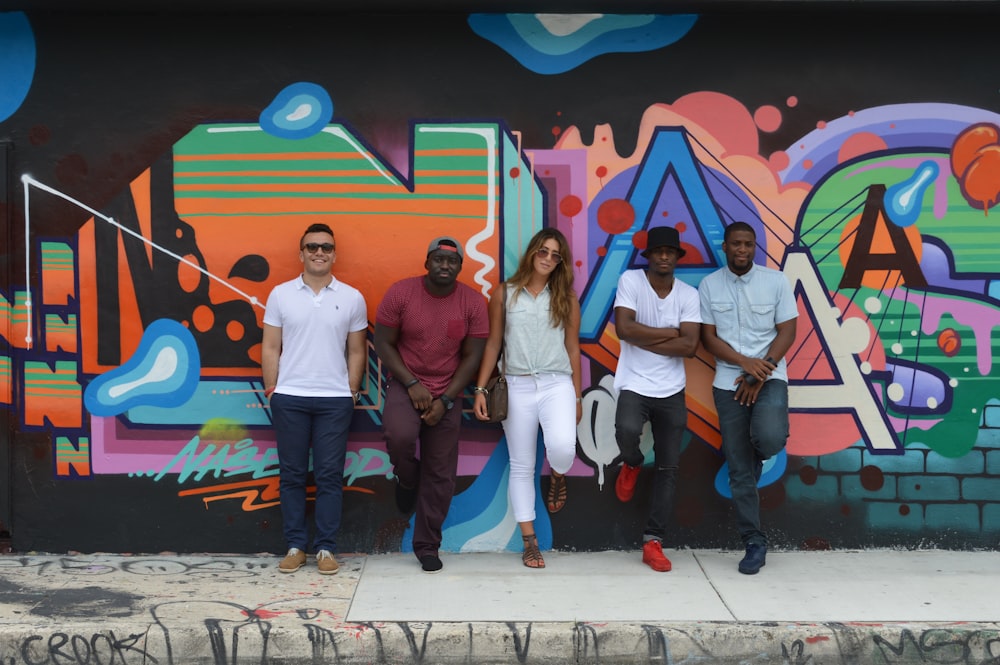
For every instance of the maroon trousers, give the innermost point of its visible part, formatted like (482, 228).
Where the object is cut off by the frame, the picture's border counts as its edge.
(434, 473)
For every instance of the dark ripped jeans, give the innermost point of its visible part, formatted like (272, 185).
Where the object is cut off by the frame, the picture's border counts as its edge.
(667, 417)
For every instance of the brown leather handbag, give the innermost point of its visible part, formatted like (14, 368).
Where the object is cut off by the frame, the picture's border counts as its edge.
(496, 387)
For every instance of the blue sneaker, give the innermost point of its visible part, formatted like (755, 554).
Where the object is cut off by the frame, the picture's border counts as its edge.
(754, 559)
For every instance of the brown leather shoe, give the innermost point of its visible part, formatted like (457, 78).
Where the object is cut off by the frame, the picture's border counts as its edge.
(294, 560)
(325, 562)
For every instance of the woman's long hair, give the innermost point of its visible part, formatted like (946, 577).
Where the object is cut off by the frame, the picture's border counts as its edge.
(560, 280)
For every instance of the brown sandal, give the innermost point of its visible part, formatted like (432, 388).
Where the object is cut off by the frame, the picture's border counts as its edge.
(532, 556)
(556, 498)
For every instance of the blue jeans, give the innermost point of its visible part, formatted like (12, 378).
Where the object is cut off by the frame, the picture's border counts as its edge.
(667, 418)
(321, 424)
(751, 434)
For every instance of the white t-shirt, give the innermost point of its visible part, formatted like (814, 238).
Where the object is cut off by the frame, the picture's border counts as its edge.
(642, 371)
(314, 330)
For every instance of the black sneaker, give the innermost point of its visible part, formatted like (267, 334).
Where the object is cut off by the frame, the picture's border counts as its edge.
(406, 498)
(431, 563)
(754, 560)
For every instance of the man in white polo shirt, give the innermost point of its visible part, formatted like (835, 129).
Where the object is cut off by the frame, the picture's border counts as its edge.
(313, 361)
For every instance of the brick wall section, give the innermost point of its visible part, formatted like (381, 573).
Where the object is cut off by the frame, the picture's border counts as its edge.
(917, 491)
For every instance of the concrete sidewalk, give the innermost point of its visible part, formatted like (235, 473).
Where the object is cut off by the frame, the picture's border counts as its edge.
(875, 606)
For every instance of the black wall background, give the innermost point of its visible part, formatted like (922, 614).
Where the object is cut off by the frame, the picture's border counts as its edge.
(115, 88)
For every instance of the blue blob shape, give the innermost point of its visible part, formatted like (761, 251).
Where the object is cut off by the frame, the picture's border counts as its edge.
(774, 469)
(936, 264)
(990, 418)
(904, 200)
(299, 111)
(993, 289)
(536, 47)
(163, 372)
(920, 385)
(483, 506)
(17, 61)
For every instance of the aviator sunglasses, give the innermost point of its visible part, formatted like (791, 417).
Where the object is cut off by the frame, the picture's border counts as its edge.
(546, 253)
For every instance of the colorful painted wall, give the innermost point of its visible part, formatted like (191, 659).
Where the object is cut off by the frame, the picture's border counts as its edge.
(160, 168)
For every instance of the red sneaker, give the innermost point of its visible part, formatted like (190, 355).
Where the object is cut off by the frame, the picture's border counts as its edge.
(625, 485)
(652, 554)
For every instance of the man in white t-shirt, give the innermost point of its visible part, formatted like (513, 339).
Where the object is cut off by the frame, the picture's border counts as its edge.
(658, 320)
(313, 360)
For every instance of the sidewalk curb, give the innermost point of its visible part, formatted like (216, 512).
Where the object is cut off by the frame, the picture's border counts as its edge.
(303, 640)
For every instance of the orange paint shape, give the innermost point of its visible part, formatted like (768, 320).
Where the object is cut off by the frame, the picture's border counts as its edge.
(610, 341)
(52, 395)
(139, 189)
(881, 244)
(233, 218)
(450, 152)
(703, 421)
(328, 188)
(127, 314)
(255, 494)
(599, 354)
(6, 386)
(821, 433)
(317, 156)
(60, 334)
(14, 319)
(58, 273)
(72, 459)
(332, 212)
(607, 349)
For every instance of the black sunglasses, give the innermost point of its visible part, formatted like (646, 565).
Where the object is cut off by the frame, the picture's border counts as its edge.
(313, 247)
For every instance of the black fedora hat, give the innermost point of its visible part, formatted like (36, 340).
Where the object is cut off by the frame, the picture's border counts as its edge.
(663, 236)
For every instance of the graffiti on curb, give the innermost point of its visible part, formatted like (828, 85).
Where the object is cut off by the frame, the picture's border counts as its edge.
(231, 634)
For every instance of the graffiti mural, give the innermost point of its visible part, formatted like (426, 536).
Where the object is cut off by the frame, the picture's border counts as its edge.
(131, 338)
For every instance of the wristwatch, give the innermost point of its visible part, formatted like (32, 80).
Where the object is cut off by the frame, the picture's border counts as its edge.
(356, 396)
(447, 401)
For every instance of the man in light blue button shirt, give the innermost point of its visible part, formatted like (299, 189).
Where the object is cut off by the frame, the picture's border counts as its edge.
(748, 323)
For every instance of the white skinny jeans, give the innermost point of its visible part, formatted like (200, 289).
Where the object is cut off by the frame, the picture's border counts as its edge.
(548, 400)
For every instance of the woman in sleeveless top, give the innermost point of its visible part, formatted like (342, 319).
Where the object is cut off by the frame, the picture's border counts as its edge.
(539, 336)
